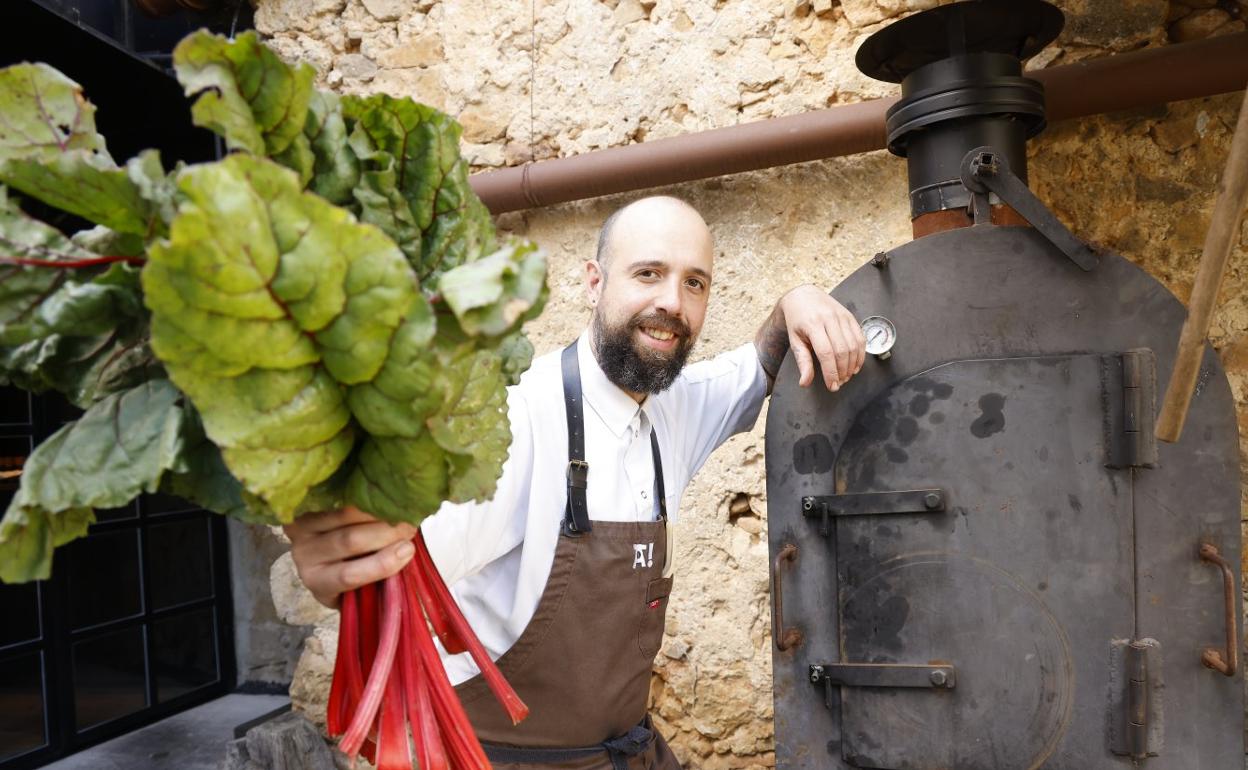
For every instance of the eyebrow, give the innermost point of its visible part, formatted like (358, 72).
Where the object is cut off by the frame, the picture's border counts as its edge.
(652, 263)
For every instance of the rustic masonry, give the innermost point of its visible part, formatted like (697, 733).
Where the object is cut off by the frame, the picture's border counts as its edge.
(606, 74)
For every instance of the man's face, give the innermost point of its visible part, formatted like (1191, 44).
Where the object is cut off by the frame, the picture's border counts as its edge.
(651, 301)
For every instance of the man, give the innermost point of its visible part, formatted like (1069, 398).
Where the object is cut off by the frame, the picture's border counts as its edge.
(563, 575)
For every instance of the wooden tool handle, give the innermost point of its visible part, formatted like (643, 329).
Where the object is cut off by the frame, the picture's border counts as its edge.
(1227, 213)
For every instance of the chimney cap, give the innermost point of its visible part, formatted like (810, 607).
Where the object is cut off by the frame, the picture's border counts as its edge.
(1018, 28)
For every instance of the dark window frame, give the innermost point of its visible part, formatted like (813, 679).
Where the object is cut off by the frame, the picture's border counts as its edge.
(57, 638)
(122, 62)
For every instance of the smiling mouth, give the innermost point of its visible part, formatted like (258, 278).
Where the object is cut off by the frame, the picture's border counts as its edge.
(659, 334)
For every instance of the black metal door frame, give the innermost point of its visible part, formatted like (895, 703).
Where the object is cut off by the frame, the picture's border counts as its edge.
(57, 638)
(121, 58)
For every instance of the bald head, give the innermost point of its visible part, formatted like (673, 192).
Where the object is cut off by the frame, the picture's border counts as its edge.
(649, 218)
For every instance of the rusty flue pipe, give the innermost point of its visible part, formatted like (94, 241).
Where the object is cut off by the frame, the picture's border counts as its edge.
(1122, 82)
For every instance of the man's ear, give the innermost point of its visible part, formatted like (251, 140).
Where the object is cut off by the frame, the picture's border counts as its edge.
(595, 279)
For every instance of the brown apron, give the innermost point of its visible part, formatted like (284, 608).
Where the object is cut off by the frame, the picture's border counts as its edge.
(583, 662)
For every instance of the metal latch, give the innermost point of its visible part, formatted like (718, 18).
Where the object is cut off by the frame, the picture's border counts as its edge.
(1135, 698)
(985, 170)
(1131, 391)
(933, 676)
(824, 507)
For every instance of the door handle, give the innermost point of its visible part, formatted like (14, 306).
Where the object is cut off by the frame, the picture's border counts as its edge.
(785, 638)
(1212, 657)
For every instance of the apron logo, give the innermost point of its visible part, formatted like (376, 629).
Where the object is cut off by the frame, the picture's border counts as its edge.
(643, 555)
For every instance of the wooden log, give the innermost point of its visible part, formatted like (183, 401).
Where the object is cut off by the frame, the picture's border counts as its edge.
(1228, 211)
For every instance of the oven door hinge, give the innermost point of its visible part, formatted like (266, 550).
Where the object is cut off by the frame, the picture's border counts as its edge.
(1131, 409)
(1135, 721)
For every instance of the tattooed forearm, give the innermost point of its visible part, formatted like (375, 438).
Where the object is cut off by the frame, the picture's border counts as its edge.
(772, 343)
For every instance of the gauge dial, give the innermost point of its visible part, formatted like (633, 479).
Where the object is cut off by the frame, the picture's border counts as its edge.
(880, 334)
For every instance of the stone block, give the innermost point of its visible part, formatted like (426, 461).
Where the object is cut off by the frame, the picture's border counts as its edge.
(627, 12)
(1198, 24)
(289, 742)
(357, 66)
(386, 10)
(294, 603)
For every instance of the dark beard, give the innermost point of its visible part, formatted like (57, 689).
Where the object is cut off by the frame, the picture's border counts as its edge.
(640, 371)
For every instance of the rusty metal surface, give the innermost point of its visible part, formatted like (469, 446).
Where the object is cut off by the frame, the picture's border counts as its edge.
(1225, 660)
(785, 638)
(952, 219)
(996, 392)
(1137, 690)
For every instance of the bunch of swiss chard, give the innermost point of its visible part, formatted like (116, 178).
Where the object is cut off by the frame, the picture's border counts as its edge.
(322, 318)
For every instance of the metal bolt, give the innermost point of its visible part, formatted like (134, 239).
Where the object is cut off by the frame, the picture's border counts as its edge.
(880, 259)
(816, 674)
(939, 678)
(808, 503)
(932, 501)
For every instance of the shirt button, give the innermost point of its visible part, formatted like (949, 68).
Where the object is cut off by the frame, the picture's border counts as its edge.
(644, 496)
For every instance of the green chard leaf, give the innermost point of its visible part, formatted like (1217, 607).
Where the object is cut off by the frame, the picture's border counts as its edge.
(203, 478)
(249, 96)
(119, 448)
(336, 170)
(44, 115)
(414, 184)
(267, 302)
(76, 330)
(472, 426)
(494, 295)
(438, 424)
(277, 353)
(49, 149)
(516, 353)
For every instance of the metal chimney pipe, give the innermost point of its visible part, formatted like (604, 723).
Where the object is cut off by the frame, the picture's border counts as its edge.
(1122, 82)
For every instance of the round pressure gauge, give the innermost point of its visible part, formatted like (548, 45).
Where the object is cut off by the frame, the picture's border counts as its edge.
(881, 336)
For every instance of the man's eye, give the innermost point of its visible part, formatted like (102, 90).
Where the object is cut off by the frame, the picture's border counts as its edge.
(647, 274)
(694, 283)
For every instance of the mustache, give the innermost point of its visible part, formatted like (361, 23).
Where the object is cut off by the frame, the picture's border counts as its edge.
(662, 322)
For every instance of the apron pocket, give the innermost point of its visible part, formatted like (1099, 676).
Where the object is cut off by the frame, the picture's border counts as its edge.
(654, 611)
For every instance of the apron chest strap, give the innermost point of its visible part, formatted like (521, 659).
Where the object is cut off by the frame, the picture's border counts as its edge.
(576, 515)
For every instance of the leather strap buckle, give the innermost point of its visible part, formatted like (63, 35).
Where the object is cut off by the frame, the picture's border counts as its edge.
(578, 474)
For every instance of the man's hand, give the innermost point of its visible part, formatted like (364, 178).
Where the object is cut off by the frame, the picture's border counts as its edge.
(816, 327)
(339, 551)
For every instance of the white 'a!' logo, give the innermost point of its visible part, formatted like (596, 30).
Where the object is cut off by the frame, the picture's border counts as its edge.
(643, 555)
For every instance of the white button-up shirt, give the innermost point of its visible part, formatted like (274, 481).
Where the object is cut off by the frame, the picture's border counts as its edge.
(496, 556)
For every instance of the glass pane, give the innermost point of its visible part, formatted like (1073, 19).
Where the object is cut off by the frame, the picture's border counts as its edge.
(14, 406)
(19, 606)
(13, 453)
(57, 410)
(21, 705)
(130, 511)
(184, 654)
(179, 562)
(104, 578)
(108, 677)
(159, 503)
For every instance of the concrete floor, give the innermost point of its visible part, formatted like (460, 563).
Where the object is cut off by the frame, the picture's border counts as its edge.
(192, 740)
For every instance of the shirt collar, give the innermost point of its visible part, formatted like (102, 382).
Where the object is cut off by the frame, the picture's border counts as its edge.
(616, 408)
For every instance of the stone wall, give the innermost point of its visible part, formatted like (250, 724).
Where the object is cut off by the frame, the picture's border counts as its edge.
(266, 643)
(548, 78)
